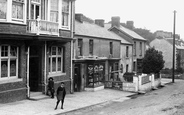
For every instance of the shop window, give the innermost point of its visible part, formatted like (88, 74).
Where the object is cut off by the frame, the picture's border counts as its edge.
(56, 60)
(3, 9)
(54, 9)
(95, 75)
(8, 62)
(65, 13)
(17, 9)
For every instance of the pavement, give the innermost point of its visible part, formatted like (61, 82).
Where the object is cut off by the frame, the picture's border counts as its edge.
(44, 105)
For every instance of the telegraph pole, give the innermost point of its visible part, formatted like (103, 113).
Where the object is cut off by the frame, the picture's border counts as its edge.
(174, 46)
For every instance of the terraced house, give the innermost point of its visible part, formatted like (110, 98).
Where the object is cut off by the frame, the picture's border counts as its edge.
(138, 43)
(96, 54)
(35, 44)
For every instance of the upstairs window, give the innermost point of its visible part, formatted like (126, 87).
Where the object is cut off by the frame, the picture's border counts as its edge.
(3, 9)
(8, 62)
(140, 48)
(54, 11)
(111, 47)
(127, 51)
(17, 9)
(91, 47)
(134, 50)
(80, 42)
(65, 13)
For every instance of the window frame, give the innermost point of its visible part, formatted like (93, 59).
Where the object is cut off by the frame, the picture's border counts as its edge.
(69, 15)
(80, 47)
(1, 19)
(127, 51)
(111, 48)
(51, 10)
(56, 56)
(140, 49)
(23, 12)
(9, 58)
(91, 45)
(134, 48)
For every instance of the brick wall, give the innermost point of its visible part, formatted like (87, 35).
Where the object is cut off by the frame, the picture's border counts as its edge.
(12, 28)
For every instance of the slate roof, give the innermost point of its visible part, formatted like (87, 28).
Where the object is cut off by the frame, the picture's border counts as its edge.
(93, 30)
(129, 32)
(177, 45)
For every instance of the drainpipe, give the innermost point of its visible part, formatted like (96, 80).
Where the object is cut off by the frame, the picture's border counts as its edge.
(28, 88)
(72, 30)
(45, 68)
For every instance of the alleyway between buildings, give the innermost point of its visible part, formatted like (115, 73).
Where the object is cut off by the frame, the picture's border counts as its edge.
(168, 100)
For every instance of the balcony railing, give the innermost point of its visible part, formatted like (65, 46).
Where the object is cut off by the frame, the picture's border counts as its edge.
(42, 27)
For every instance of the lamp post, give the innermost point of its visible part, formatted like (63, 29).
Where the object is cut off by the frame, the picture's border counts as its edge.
(174, 46)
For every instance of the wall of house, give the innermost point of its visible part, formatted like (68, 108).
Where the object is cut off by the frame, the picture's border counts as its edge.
(101, 47)
(124, 59)
(15, 89)
(166, 49)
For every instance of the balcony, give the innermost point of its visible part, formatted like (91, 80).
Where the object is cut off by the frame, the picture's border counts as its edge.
(42, 27)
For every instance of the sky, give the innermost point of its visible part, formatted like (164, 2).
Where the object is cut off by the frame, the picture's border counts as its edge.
(152, 15)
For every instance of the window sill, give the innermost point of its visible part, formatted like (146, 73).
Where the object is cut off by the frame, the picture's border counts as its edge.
(10, 80)
(56, 74)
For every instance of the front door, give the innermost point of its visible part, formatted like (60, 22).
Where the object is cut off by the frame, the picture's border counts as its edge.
(34, 65)
(77, 78)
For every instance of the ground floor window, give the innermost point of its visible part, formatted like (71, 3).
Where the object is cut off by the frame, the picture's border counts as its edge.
(95, 74)
(56, 64)
(8, 61)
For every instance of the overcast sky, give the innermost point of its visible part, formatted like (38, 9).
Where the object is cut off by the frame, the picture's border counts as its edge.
(148, 14)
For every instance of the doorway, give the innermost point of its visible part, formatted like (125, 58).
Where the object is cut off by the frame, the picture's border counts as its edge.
(34, 68)
(77, 78)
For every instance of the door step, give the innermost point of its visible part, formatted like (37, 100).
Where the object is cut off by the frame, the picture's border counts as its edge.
(37, 96)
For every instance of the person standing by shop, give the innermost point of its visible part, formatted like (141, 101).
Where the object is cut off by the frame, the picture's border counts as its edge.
(51, 87)
(61, 92)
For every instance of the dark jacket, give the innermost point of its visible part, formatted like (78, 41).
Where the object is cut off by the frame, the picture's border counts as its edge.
(61, 92)
(51, 85)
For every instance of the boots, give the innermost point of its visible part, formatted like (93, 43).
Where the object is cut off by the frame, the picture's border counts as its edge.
(56, 104)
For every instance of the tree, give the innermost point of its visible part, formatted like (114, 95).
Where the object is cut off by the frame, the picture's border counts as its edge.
(153, 61)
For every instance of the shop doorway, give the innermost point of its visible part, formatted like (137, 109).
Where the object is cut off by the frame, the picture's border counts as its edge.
(34, 68)
(77, 78)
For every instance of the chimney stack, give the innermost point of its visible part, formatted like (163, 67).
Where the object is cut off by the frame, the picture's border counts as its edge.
(115, 21)
(100, 22)
(79, 17)
(130, 25)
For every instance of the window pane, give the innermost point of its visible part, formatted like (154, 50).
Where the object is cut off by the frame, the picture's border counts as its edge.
(3, 9)
(12, 68)
(13, 51)
(65, 12)
(32, 11)
(53, 64)
(59, 63)
(17, 10)
(54, 11)
(59, 51)
(4, 51)
(53, 50)
(4, 68)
